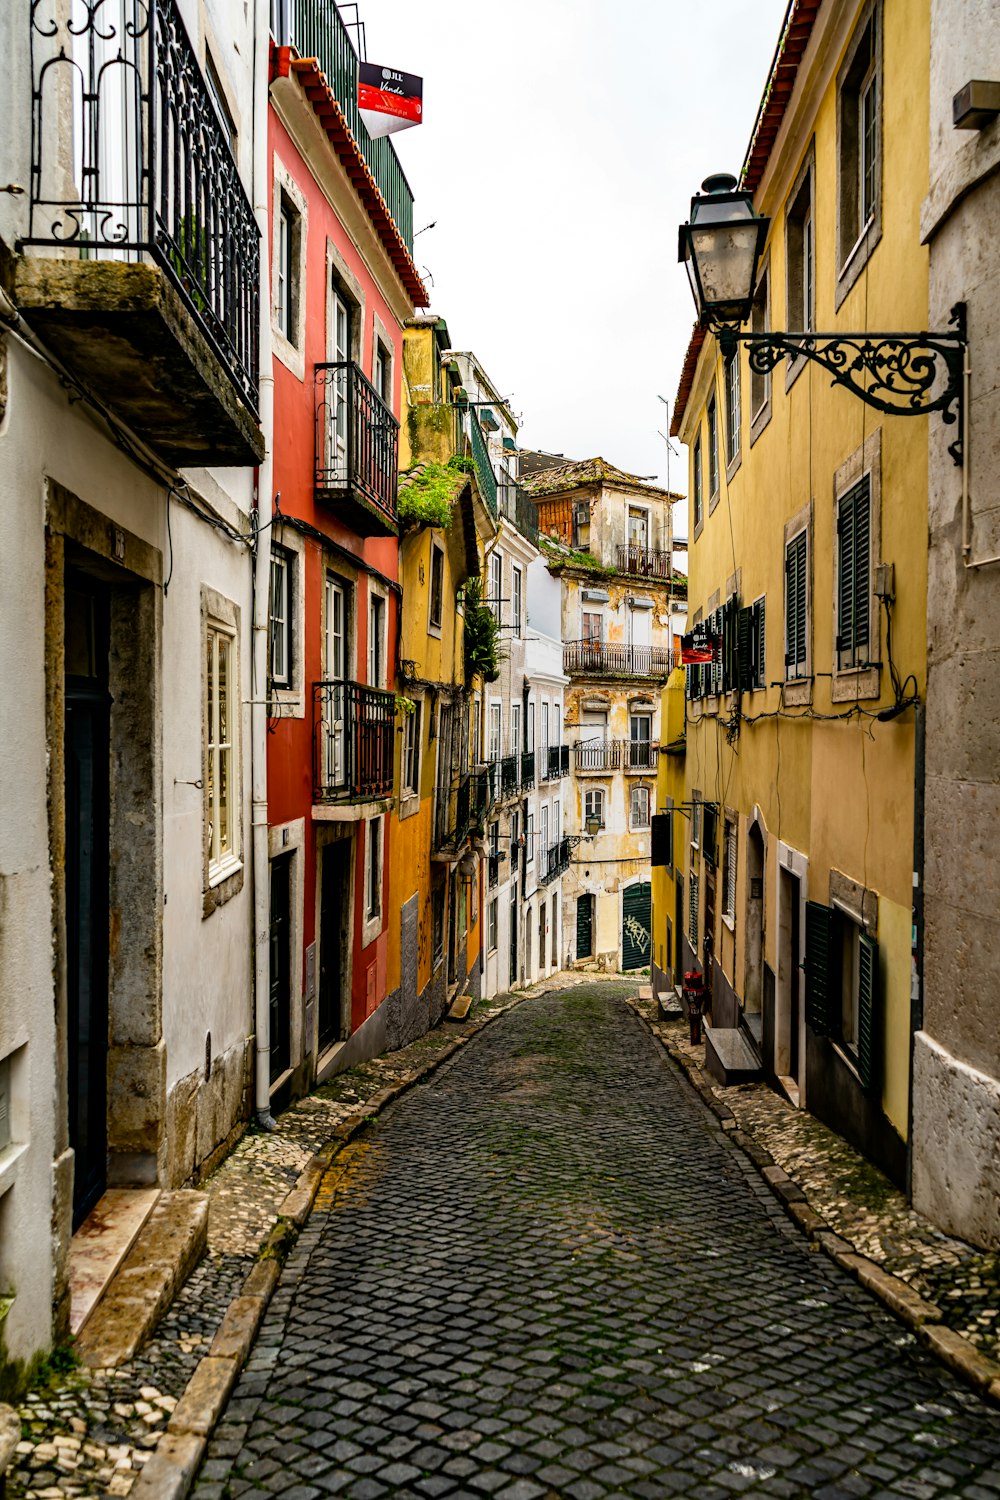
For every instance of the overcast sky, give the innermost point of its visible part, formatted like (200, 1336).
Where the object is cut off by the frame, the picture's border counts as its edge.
(561, 145)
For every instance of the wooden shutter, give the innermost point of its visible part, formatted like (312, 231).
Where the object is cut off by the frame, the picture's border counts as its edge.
(709, 833)
(744, 648)
(660, 840)
(759, 644)
(820, 996)
(795, 606)
(854, 576)
(867, 995)
(862, 567)
(693, 910)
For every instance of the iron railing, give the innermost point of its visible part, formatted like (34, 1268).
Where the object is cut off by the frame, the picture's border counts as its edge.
(556, 762)
(643, 562)
(129, 161)
(613, 659)
(528, 769)
(316, 29)
(493, 869)
(640, 755)
(509, 767)
(353, 741)
(463, 810)
(481, 457)
(598, 755)
(556, 860)
(357, 439)
(517, 506)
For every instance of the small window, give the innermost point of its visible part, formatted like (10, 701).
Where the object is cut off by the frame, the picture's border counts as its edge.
(751, 646)
(411, 751)
(699, 502)
(215, 93)
(713, 450)
(492, 926)
(281, 618)
(286, 283)
(695, 819)
(800, 251)
(496, 584)
(733, 408)
(796, 608)
(854, 576)
(373, 904)
(221, 787)
(729, 853)
(515, 729)
(529, 838)
(515, 598)
(382, 372)
(640, 742)
(436, 607)
(593, 805)
(437, 921)
(495, 731)
(376, 640)
(760, 322)
(638, 528)
(639, 811)
(859, 165)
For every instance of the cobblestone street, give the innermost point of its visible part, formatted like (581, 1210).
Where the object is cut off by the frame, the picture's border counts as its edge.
(547, 1272)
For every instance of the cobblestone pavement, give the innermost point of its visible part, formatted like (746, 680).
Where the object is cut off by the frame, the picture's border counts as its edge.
(548, 1273)
(860, 1203)
(89, 1432)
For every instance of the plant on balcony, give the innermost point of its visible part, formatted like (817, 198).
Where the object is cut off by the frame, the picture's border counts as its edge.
(405, 705)
(429, 497)
(482, 635)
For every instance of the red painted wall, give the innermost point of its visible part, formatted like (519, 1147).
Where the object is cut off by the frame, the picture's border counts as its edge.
(290, 741)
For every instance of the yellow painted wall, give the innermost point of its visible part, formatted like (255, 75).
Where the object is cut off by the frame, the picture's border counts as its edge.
(839, 792)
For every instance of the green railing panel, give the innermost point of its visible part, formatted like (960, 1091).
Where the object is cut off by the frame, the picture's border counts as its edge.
(484, 466)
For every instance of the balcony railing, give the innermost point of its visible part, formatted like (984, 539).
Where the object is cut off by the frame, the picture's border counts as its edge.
(315, 28)
(464, 808)
(509, 767)
(493, 869)
(556, 762)
(643, 562)
(598, 755)
(353, 740)
(528, 769)
(357, 446)
(614, 659)
(481, 457)
(129, 163)
(556, 860)
(640, 755)
(518, 508)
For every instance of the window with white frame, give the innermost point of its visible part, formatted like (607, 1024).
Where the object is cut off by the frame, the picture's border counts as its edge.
(713, 449)
(495, 745)
(435, 609)
(699, 502)
(515, 597)
(638, 528)
(640, 741)
(733, 407)
(593, 805)
(543, 830)
(491, 926)
(411, 751)
(382, 372)
(529, 838)
(859, 168)
(515, 729)
(639, 807)
(729, 853)
(281, 617)
(222, 773)
(495, 600)
(695, 819)
(373, 890)
(376, 640)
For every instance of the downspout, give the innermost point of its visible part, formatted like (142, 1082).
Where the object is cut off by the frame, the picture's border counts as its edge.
(917, 977)
(261, 588)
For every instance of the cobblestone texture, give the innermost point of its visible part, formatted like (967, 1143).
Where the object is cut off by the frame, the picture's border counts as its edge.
(860, 1203)
(90, 1432)
(549, 1273)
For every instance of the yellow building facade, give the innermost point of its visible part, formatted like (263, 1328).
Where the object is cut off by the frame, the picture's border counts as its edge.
(667, 842)
(808, 570)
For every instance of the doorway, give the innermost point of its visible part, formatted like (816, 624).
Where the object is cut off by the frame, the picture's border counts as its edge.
(513, 933)
(334, 1017)
(788, 1020)
(541, 938)
(87, 800)
(636, 924)
(281, 966)
(584, 926)
(754, 969)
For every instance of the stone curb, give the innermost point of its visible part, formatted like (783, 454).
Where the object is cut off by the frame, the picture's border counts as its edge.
(171, 1471)
(919, 1315)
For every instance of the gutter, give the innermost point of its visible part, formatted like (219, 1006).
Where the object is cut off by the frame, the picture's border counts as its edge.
(261, 590)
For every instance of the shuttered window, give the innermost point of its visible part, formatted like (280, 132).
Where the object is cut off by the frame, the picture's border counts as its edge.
(819, 959)
(751, 640)
(729, 871)
(693, 910)
(710, 832)
(853, 576)
(842, 985)
(796, 604)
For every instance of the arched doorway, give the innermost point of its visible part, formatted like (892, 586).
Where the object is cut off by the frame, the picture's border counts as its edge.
(754, 950)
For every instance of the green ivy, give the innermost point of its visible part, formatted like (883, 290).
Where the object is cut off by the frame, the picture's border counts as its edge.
(482, 635)
(427, 499)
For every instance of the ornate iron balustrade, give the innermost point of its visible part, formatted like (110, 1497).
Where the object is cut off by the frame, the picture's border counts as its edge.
(612, 659)
(598, 755)
(481, 456)
(357, 441)
(556, 762)
(640, 755)
(643, 562)
(508, 775)
(518, 508)
(353, 741)
(528, 769)
(556, 860)
(129, 161)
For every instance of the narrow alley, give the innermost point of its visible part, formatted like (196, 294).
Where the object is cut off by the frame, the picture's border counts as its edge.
(548, 1272)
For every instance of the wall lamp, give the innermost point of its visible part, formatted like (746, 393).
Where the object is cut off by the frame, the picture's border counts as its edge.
(903, 374)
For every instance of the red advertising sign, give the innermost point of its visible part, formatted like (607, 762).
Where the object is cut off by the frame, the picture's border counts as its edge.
(389, 100)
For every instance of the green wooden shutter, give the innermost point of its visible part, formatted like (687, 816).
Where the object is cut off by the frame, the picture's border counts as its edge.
(584, 926)
(759, 646)
(636, 926)
(862, 567)
(845, 582)
(795, 605)
(744, 648)
(867, 994)
(820, 996)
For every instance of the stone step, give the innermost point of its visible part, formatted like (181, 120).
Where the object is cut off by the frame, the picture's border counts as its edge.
(166, 1251)
(668, 1003)
(459, 1008)
(101, 1244)
(729, 1056)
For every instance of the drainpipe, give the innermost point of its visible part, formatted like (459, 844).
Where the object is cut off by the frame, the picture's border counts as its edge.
(261, 589)
(917, 979)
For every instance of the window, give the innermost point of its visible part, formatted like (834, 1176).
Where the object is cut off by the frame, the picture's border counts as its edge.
(382, 372)
(593, 805)
(376, 640)
(529, 838)
(545, 733)
(543, 830)
(760, 322)
(639, 807)
(733, 408)
(373, 901)
(593, 626)
(800, 252)
(640, 746)
(853, 576)
(859, 147)
(729, 870)
(496, 584)
(218, 98)
(662, 842)
(842, 972)
(693, 910)
(581, 524)
(411, 751)
(713, 450)
(281, 618)
(638, 528)
(515, 598)
(751, 643)
(796, 607)
(285, 289)
(695, 819)
(699, 504)
(437, 921)
(495, 731)
(515, 728)
(436, 606)
(515, 836)
(492, 926)
(221, 788)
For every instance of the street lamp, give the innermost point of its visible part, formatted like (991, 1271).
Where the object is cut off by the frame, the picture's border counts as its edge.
(903, 374)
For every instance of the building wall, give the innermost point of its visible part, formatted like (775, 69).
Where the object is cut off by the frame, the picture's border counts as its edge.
(667, 969)
(956, 1065)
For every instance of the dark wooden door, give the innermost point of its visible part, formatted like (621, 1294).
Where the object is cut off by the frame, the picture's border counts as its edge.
(584, 926)
(795, 977)
(514, 924)
(334, 1015)
(636, 923)
(281, 965)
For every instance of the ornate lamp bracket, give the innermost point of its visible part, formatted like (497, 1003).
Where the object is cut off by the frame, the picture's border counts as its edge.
(903, 374)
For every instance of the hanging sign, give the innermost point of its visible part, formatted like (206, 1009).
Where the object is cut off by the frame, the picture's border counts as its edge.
(389, 100)
(697, 647)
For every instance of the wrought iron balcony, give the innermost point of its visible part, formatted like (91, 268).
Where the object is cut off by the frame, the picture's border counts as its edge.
(615, 659)
(462, 811)
(640, 755)
(354, 732)
(556, 762)
(485, 475)
(643, 562)
(357, 447)
(517, 506)
(528, 769)
(598, 755)
(143, 269)
(493, 869)
(556, 860)
(509, 767)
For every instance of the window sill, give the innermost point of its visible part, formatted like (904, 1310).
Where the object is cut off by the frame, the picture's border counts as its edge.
(224, 882)
(9, 1158)
(857, 258)
(713, 500)
(855, 684)
(434, 629)
(223, 872)
(409, 803)
(759, 420)
(732, 468)
(728, 922)
(797, 692)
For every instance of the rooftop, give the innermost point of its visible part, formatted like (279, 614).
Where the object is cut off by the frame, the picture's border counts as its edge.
(573, 474)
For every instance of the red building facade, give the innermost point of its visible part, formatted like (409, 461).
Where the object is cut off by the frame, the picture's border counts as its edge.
(342, 284)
